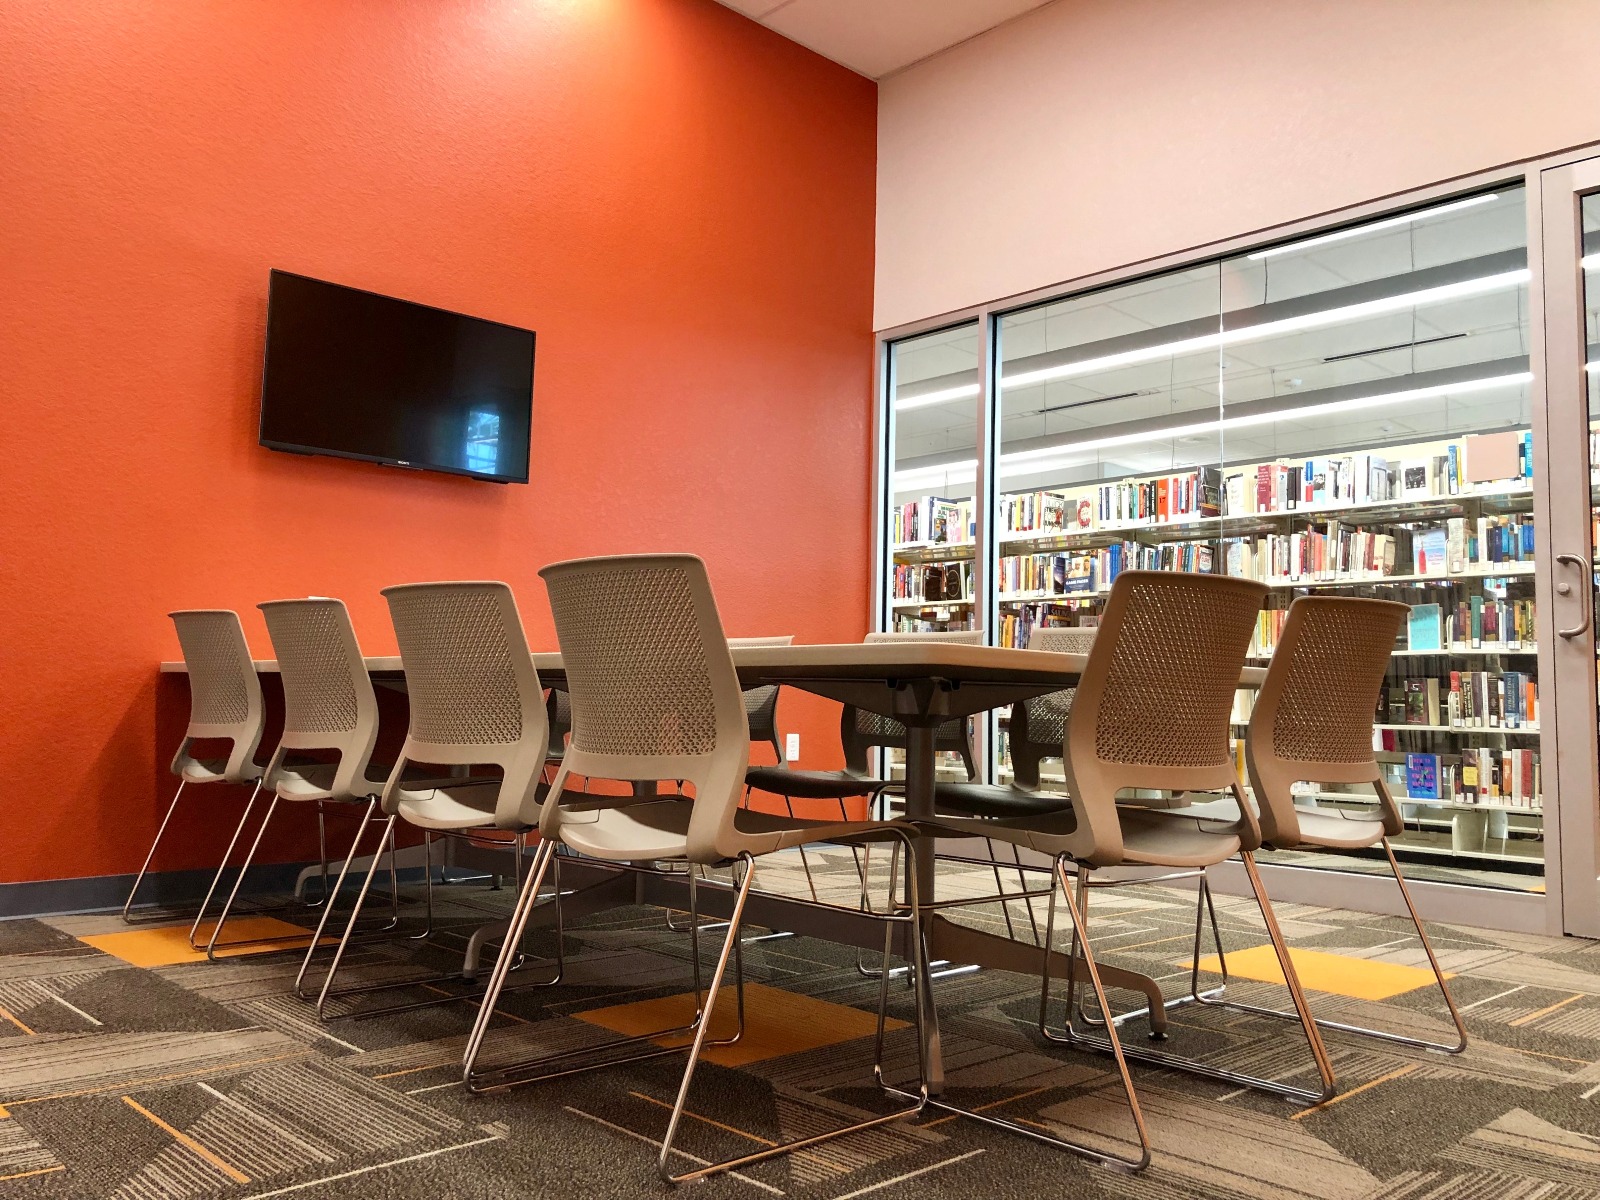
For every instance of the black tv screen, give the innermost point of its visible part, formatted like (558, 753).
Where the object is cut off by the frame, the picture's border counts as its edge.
(358, 375)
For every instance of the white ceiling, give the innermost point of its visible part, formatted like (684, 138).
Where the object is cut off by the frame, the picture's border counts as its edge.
(1490, 329)
(878, 37)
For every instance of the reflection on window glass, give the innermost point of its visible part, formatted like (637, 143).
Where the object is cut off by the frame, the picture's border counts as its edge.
(931, 524)
(1348, 413)
(483, 441)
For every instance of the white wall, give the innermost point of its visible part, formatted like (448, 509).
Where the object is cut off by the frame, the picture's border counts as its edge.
(1095, 133)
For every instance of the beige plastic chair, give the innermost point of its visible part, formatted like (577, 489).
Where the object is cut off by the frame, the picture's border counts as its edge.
(329, 707)
(1036, 731)
(761, 703)
(1151, 712)
(475, 701)
(1312, 723)
(224, 705)
(655, 696)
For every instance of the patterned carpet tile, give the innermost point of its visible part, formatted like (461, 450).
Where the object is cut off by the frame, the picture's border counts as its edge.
(128, 1069)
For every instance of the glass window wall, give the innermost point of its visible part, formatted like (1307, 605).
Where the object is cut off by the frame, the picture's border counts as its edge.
(1346, 413)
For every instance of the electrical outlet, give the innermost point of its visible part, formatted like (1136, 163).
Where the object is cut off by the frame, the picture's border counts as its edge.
(791, 747)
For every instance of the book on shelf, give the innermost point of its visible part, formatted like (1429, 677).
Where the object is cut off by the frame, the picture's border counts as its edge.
(1422, 776)
(934, 520)
(947, 582)
(1462, 700)
(1430, 470)
(1425, 627)
(1196, 493)
(1041, 512)
(1479, 775)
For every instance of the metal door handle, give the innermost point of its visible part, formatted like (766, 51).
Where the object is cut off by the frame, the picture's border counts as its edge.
(1565, 589)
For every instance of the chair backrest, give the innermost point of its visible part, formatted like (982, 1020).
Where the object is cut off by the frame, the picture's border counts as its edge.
(224, 690)
(654, 691)
(1313, 718)
(861, 731)
(761, 703)
(328, 701)
(1038, 726)
(475, 696)
(1155, 701)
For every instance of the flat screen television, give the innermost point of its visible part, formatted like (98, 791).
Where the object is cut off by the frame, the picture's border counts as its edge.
(357, 375)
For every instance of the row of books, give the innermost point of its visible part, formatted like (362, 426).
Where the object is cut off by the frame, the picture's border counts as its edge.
(1332, 550)
(945, 582)
(1477, 463)
(1196, 493)
(1460, 468)
(1017, 625)
(1089, 571)
(1463, 700)
(1478, 775)
(915, 623)
(932, 519)
(1036, 512)
(1472, 623)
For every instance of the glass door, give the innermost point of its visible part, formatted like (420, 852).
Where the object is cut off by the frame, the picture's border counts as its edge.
(1571, 233)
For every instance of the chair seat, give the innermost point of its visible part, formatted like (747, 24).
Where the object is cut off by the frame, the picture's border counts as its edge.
(469, 807)
(1335, 831)
(660, 830)
(811, 785)
(1319, 827)
(1150, 837)
(312, 782)
(215, 770)
(994, 800)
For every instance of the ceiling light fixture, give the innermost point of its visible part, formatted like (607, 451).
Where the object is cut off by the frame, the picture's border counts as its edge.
(1047, 457)
(1227, 337)
(939, 397)
(1313, 320)
(1340, 235)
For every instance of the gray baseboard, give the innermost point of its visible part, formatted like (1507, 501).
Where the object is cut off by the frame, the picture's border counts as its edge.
(98, 893)
(170, 889)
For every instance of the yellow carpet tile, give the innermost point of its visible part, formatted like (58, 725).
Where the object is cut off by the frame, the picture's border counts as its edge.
(776, 1022)
(167, 945)
(1340, 974)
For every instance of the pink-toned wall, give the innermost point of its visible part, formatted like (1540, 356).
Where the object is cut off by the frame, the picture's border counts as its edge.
(1088, 135)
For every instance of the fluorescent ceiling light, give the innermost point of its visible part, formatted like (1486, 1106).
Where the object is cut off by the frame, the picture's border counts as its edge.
(1047, 457)
(1041, 459)
(1589, 262)
(963, 471)
(1373, 226)
(939, 397)
(1313, 320)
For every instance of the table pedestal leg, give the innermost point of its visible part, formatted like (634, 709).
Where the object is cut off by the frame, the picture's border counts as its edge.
(920, 768)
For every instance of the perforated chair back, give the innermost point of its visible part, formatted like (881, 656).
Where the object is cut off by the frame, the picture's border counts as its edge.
(862, 731)
(475, 696)
(1038, 725)
(224, 695)
(1313, 718)
(654, 691)
(328, 701)
(761, 703)
(1154, 704)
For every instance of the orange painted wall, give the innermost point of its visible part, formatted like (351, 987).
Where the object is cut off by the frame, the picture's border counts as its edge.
(680, 202)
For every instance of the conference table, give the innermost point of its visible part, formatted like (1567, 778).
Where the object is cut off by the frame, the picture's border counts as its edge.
(921, 684)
